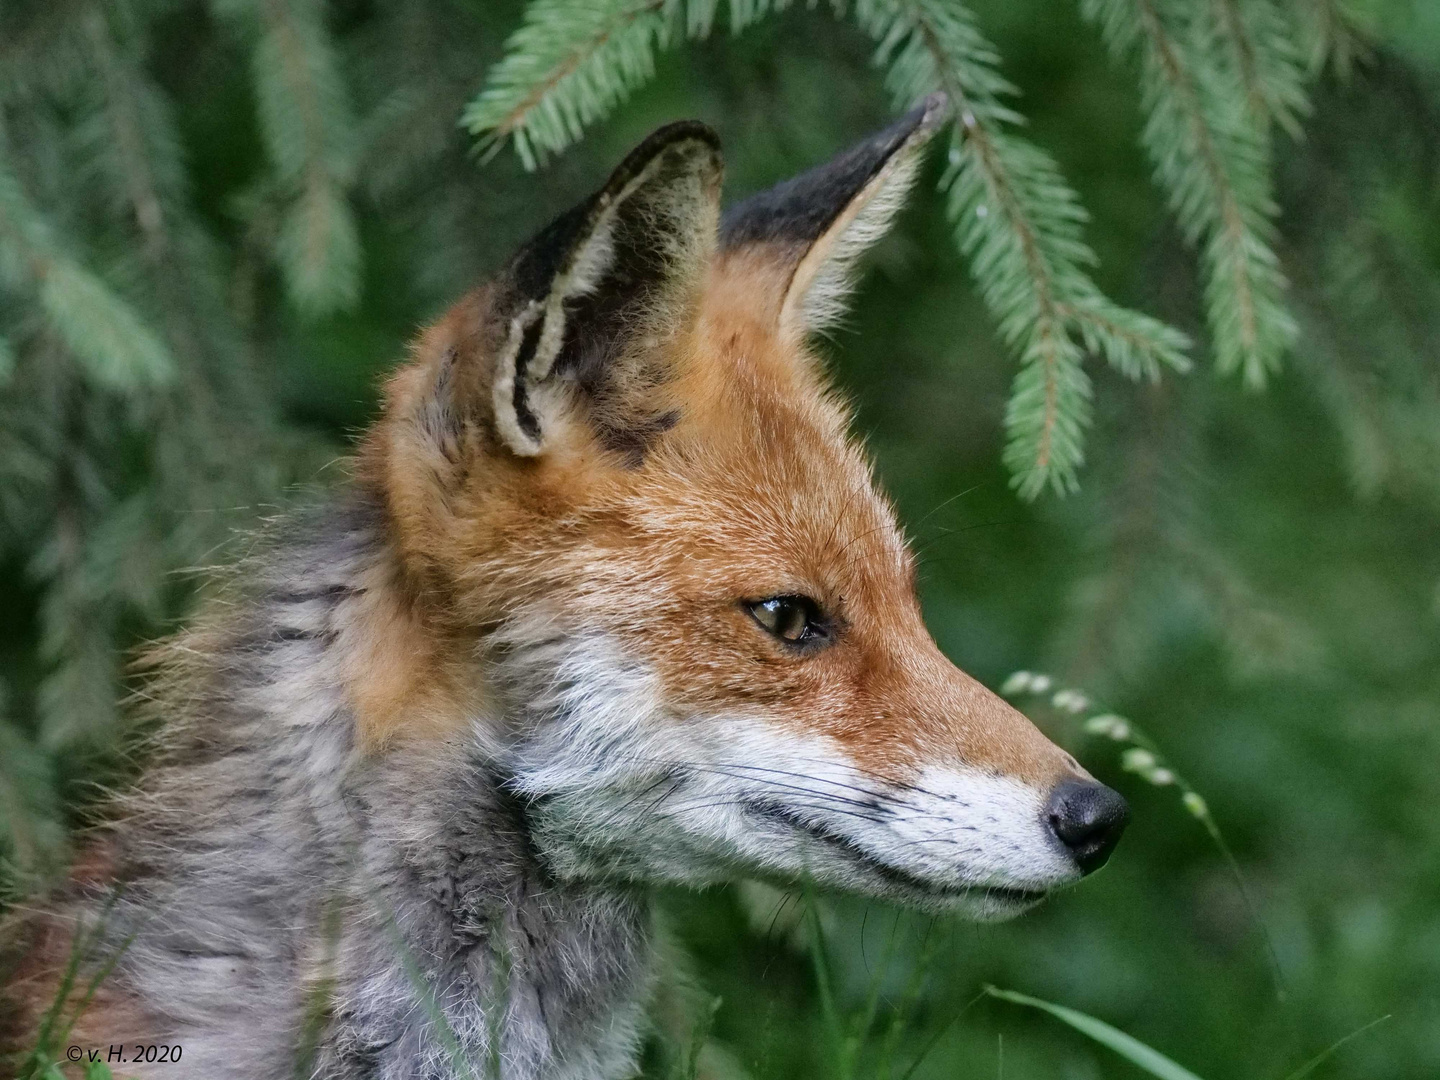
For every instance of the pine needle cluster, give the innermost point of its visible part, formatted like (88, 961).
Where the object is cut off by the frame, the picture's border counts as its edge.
(1215, 77)
(133, 413)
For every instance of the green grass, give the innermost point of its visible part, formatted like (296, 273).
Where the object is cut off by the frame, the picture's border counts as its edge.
(856, 1046)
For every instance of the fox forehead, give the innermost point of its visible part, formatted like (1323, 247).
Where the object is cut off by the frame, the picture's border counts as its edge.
(756, 489)
(761, 471)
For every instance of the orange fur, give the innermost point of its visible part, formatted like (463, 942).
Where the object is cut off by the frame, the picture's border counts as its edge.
(756, 491)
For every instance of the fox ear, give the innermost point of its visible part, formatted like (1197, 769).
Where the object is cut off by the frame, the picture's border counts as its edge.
(815, 227)
(588, 301)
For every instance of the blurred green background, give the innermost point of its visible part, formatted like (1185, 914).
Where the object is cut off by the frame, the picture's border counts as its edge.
(1252, 577)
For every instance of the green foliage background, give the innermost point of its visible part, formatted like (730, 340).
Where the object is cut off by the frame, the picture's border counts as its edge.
(220, 223)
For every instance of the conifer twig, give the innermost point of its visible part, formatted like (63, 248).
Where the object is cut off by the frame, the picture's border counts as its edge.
(123, 109)
(308, 133)
(1211, 156)
(569, 65)
(1261, 41)
(1015, 218)
(1020, 225)
(103, 331)
(1331, 33)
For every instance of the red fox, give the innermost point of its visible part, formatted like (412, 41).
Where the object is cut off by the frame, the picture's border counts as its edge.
(611, 602)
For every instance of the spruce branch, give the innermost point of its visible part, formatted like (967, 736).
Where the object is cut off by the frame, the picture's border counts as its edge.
(138, 144)
(139, 147)
(1212, 158)
(568, 66)
(1331, 33)
(1135, 344)
(1020, 225)
(309, 136)
(1015, 218)
(113, 342)
(1261, 43)
(572, 62)
(116, 345)
(31, 829)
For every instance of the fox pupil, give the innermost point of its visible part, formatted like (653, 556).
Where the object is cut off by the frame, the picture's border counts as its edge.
(793, 619)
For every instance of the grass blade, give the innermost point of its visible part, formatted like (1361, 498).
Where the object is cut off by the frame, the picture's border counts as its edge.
(935, 1039)
(828, 1010)
(1127, 1046)
(1324, 1055)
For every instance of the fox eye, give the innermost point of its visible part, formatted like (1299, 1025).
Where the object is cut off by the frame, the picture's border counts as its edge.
(795, 620)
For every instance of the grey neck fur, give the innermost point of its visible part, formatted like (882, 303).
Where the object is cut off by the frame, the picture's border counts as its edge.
(297, 910)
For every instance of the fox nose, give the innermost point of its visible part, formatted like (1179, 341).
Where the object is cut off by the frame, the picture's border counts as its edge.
(1088, 819)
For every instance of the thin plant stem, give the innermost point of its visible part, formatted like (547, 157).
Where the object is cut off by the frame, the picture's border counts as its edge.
(820, 961)
(1325, 1055)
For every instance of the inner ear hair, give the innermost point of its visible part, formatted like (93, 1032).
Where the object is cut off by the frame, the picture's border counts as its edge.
(603, 284)
(820, 288)
(819, 224)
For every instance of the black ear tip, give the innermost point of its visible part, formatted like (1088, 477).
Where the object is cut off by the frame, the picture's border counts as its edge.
(681, 130)
(911, 131)
(691, 139)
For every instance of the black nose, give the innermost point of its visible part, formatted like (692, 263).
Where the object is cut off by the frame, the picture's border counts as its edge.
(1088, 818)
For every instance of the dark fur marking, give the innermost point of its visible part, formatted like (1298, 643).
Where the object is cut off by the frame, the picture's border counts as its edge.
(524, 415)
(538, 263)
(633, 442)
(551, 251)
(437, 414)
(267, 637)
(845, 845)
(327, 592)
(528, 343)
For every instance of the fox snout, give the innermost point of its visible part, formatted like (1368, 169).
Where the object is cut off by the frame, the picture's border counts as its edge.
(1082, 818)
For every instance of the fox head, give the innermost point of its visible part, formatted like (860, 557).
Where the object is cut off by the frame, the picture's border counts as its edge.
(681, 617)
